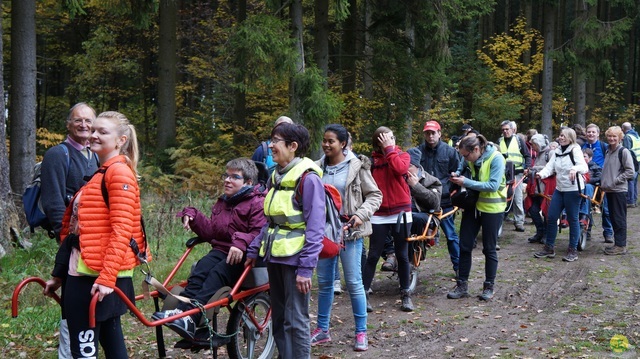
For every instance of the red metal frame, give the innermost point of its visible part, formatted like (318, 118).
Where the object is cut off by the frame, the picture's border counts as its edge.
(236, 294)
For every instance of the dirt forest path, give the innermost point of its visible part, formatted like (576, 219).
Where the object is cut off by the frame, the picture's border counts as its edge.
(543, 308)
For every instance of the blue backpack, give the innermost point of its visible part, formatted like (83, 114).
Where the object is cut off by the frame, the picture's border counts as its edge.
(267, 156)
(31, 198)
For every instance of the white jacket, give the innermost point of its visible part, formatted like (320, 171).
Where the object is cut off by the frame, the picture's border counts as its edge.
(560, 164)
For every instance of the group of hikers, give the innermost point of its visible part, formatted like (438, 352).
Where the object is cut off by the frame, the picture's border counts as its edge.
(282, 222)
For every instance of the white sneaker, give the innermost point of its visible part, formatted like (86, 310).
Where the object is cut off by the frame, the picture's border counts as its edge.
(337, 287)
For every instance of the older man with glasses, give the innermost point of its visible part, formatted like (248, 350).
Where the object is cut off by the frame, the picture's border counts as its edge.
(514, 149)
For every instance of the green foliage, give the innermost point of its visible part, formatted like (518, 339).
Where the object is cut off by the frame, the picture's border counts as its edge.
(264, 48)
(609, 105)
(318, 105)
(490, 109)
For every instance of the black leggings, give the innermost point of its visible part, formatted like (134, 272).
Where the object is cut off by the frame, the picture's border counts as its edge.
(469, 228)
(108, 330)
(376, 246)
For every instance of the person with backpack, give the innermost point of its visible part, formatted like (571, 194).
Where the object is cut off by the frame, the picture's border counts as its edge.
(631, 142)
(263, 152)
(617, 171)
(102, 242)
(62, 173)
(599, 150)
(236, 219)
(291, 241)
(537, 189)
(64, 166)
(389, 169)
(568, 165)
(361, 197)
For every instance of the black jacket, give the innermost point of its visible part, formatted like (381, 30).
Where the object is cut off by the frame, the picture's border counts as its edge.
(440, 161)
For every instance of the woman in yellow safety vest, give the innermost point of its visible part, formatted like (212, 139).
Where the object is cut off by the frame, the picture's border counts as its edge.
(291, 241)
(487, 167)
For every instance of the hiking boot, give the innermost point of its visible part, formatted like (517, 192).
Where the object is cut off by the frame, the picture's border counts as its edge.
(337, 287)
(460, 291)
(369, 307)
(519, 228)
(537, 238)
(407, 304)
(361, 343)
(608, 239)
(319, 336)
(390, 264)
(487, 291)
(546, 251)
(572, 255)
(615, 250)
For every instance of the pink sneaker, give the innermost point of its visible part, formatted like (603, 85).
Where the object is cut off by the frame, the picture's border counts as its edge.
(362, 342)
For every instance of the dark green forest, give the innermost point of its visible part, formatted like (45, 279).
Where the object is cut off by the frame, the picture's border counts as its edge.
(203, 81)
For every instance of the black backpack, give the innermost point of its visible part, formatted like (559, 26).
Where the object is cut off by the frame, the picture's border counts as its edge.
(636, 165)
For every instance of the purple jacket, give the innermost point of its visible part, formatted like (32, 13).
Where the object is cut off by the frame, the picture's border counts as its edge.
(234, 222)
(313, 211)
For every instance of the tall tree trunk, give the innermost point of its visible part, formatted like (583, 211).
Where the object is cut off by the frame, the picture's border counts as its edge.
(298, 27)
(240, 103)
(547, 69)
(580, 90)
(350, 48)
(367, 77)
(167, 72)
(6, 204)
(410, 30)
(23, 93)
(321, 50)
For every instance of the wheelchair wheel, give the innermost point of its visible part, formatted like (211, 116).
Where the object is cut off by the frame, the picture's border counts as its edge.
(245, 318)
(413, 279)
(582, 240)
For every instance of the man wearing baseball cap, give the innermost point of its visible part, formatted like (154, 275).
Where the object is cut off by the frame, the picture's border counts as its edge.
(439, 160)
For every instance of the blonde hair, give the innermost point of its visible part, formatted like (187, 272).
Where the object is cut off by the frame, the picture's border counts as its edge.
(569, 134)
(130, 147)
(615, 130)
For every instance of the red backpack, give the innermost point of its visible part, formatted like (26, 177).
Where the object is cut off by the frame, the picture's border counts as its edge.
(333, 239)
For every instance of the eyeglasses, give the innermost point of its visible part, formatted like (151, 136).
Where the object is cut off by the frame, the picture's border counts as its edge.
(275, 140)
(234, 176)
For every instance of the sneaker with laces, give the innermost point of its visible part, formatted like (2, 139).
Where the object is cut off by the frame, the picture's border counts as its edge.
(615, 250)
(319, 336)
(185, 326)
(546, 251)
(572, 255)
(361, 342)
(608, 239)
(337, 287)
(165, 314)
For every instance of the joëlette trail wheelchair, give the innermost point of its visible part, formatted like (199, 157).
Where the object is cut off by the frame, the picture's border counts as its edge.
(419, 243)
(594, 204)
(248, 329)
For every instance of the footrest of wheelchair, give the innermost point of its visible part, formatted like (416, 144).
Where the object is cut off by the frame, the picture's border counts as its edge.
(201, 341)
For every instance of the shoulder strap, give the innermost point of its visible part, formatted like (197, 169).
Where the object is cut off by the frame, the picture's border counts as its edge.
(602, 148)
(66, 154)
(265, 151)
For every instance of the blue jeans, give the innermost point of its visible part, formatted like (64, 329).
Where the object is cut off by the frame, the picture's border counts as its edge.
(607, 228)
(570, 202)
(453, 242)
(350, 257)
(632, 193)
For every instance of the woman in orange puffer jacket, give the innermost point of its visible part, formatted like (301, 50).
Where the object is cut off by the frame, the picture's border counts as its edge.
(96, 255)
